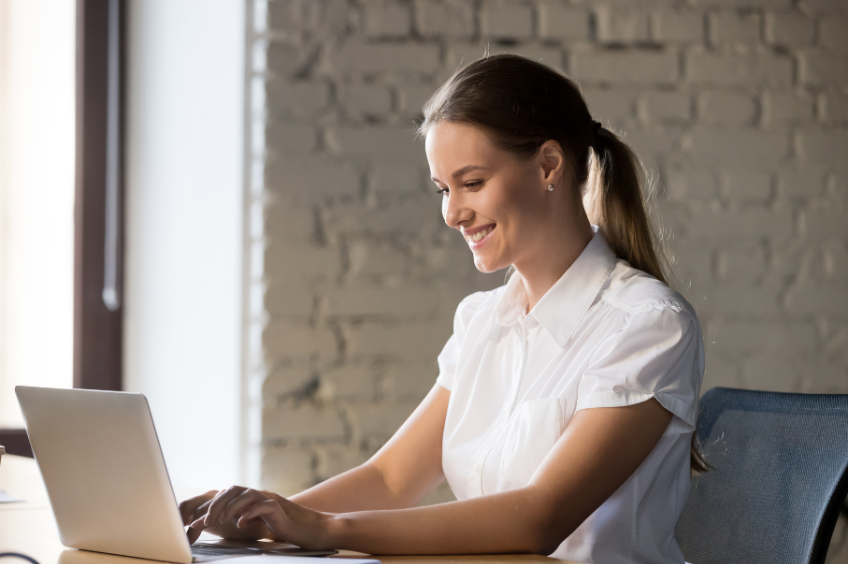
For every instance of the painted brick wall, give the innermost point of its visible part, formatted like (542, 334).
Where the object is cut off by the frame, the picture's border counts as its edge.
(739, 109)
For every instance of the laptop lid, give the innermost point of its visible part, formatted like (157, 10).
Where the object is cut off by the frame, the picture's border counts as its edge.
(104, 472)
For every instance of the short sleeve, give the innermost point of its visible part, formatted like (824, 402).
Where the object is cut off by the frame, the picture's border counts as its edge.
(449, 357)
(657, 353)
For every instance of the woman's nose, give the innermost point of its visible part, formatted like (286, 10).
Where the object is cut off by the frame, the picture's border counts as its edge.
(454, 212)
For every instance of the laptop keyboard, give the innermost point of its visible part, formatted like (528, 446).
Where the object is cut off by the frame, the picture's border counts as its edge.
(210, 549)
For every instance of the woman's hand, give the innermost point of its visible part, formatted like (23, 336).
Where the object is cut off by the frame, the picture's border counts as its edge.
(198, 506)
(243, 513)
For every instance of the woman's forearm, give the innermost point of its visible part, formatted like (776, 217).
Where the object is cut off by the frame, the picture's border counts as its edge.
(508, 522)
(359, 489)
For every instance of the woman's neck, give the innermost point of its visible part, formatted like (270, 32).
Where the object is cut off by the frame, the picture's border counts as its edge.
(541, 270)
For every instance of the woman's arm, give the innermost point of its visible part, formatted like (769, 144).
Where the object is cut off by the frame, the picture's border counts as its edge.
(399, 475)
(596, 454)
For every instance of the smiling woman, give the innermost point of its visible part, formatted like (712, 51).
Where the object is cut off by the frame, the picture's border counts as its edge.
(566, 401)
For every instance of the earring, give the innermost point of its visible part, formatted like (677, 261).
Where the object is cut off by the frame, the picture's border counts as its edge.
(550, 187)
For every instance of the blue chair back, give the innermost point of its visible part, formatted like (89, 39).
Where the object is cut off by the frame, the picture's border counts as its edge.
(779, 478)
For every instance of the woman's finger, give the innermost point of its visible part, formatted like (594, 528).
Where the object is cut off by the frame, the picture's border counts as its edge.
(270, 512)
(213, 514)
(191, 506)
(241, 502)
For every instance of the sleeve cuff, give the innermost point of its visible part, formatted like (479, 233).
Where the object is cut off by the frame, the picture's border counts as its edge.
(445, 381)
(684, 420)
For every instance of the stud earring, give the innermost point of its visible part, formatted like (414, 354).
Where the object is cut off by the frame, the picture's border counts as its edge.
(550, 187)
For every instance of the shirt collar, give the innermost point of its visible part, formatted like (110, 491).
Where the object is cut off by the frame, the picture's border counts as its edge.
(563, 306)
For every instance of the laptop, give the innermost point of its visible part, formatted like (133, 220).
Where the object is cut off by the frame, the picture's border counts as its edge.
(107, 482)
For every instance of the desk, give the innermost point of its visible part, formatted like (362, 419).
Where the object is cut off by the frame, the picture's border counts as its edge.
(29, 528)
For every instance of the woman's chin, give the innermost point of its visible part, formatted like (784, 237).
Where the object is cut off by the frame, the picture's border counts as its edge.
(486, 266)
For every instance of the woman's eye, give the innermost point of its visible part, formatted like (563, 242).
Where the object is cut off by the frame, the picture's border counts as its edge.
(442, 191)
(473, 183)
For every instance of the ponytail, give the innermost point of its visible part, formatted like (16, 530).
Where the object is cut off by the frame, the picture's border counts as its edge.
(614, 201)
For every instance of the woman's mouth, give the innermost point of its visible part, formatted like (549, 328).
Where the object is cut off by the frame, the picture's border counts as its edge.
(479, 237)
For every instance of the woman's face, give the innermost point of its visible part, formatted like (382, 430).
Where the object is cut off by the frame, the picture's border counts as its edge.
(497, 200)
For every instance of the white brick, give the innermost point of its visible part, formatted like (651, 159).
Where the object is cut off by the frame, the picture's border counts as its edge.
(817, 299)
(751, 224)
(361, 100)
(615, 25)
(734, 27)
(738, 299)
(351, 382)
(299, 99)
(460, 54)
(625, 67)
(382, 420)
(558, 21)
(311, 179)
(737, 4)
(417, 217)
(746, 187)
(613, 105)
(285, 380)
(774, 335)
(284, 59)
(373, 259)
(411, 381)
(295, 16)
(370, 301)
(448, 18)
(288, 222)
(725, 107)
(740, 146)
(290, 298)
(286, 471)
(801, 182)
(414, 96)
(722, 372)
(824, 146)
(284, 138)
(378, 143)
(825, 378)
(386, 19)
(772, 374)
(388, 179)
(287, 422)
(741, 263)
(298, 260)
(739, 69)
(834, 106)
(787, 108)
(833, 34)
(790, 29)
(822, 224)
(354, 57)
(507, 20)
(291, 342)
(674, 107)
(422, 341)
(818, 69)
(683, 27)
(824, 6)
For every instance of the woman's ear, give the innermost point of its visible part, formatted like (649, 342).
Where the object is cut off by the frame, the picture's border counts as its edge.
(551, 159)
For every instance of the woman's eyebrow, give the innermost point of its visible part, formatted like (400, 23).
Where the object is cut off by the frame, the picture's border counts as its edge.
(459, 172)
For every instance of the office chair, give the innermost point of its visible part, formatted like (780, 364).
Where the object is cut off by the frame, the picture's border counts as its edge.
(778, 480)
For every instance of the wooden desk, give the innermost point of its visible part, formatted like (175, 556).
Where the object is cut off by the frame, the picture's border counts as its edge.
(29, 528)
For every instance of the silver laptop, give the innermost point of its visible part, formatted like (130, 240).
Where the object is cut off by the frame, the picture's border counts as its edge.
(106, 478)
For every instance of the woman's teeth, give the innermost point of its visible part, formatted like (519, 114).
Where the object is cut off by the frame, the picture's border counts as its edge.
(479, 235)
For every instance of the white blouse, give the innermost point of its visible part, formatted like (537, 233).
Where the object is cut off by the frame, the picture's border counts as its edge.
(606, 334)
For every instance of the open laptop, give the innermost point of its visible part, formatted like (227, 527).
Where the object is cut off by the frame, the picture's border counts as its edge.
(106, 478)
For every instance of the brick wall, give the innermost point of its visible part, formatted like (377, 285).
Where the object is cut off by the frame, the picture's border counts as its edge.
(739, 109)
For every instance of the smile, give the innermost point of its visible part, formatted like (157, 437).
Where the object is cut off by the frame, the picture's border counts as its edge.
(478, 238)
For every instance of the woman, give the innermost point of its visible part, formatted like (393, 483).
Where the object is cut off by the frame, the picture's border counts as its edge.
(566, 399)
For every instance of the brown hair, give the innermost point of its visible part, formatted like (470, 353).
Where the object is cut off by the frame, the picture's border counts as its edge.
(522, 104)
